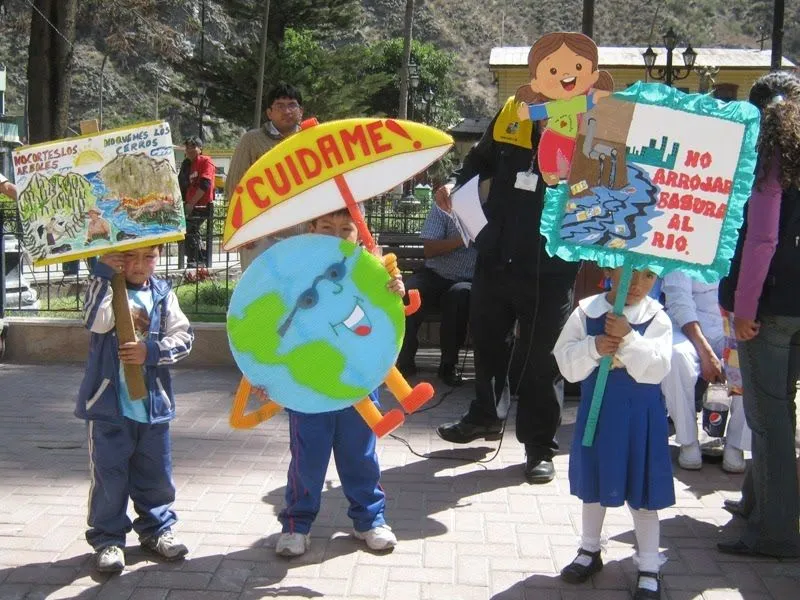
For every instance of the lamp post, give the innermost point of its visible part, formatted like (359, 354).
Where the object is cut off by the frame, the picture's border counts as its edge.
(201, 102)
(413, 83)
(427, 97)
(670, 73)
(408, 202)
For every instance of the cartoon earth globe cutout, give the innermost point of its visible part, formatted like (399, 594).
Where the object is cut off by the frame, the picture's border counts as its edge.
(313, 323)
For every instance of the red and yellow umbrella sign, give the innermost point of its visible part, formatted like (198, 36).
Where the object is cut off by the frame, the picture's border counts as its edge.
(325, 168)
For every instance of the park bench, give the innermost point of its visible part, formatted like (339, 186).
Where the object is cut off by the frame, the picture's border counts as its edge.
(410, 257)
(407, 247)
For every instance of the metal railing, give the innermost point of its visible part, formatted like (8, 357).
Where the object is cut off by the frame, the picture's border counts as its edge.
(203, 291)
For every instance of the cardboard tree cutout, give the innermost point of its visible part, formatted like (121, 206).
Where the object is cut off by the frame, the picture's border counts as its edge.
(565, 84)
(658, 181)
(311, 321)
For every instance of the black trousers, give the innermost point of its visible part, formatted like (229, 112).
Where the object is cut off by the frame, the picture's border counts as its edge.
(194, 244)
(499, 299)
(452, 299)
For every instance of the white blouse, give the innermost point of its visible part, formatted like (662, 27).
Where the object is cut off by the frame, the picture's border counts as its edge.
(645, 356)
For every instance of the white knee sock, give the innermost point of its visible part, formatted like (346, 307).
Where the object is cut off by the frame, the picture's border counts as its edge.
(592, 524)
(648, 531)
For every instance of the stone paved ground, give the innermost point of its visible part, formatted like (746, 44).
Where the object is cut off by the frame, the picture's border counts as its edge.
(466, 530)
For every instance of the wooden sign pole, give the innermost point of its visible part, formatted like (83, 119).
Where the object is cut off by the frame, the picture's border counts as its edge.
(134, 377)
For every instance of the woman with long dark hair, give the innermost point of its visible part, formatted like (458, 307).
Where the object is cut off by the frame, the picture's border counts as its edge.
(767, 323)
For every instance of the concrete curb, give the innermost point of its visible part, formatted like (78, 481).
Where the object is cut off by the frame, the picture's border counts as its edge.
(47, 340)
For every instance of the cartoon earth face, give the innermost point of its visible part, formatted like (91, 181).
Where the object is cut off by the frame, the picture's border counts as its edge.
(312, 322)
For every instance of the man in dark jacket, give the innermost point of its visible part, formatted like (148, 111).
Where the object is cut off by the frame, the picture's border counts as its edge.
(515, 281)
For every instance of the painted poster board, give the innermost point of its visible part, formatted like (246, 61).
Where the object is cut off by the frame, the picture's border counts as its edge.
(90, 195)
(659, 179)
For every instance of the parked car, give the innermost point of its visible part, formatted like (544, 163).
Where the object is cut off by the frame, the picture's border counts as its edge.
(19, 293)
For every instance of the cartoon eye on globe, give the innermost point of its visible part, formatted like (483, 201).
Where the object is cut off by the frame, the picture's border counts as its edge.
(313, 324)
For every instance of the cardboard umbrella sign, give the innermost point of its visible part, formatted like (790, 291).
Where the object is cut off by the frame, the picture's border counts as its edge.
(658, 181)
(101, 192)
(326, 167)
(312, 353)
(108, 191)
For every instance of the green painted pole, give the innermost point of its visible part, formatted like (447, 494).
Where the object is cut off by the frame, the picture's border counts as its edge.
(605, 363)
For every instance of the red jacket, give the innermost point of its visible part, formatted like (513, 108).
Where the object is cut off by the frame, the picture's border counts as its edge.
(201, 168)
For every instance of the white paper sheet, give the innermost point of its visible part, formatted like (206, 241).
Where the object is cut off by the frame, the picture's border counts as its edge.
(467, 211)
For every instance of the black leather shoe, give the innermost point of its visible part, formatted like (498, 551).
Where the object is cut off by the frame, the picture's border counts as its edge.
(643, 593)
(576, 573)
(461, 432)
(738, 548)
(735, 508)
(539, 471)
(449, 375)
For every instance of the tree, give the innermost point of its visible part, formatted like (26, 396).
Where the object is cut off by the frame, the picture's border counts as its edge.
(50, 67)
(435, 75)
(408, 30)
(587, 24)
(232, 64)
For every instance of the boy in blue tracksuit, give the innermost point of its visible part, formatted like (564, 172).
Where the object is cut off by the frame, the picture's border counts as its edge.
(129, 444)
(312, 438)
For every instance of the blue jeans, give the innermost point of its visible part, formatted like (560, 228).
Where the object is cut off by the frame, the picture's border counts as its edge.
(770, 365)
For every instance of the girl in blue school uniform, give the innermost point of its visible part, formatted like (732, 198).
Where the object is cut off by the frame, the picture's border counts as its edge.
(629, 461)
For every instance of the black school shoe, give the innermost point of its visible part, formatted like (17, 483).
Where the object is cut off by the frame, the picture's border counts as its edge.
(644, 593)
(576, 573)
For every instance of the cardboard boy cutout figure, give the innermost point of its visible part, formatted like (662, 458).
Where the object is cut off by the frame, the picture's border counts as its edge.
(565, 83)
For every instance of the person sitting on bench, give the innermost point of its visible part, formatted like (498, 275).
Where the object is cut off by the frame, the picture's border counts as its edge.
(444, 283)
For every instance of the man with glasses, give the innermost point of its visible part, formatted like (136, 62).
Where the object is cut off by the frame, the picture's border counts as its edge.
(284, 113)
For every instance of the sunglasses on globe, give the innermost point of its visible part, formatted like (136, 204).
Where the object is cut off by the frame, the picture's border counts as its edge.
(309, 298)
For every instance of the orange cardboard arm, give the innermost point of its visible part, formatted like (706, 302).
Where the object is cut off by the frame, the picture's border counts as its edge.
(414, 302)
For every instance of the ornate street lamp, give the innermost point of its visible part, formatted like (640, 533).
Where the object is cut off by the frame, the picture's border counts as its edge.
(669, 73)
(201, 102)
(428, 96)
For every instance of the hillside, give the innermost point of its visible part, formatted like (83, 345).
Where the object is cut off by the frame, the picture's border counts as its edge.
(468, 28)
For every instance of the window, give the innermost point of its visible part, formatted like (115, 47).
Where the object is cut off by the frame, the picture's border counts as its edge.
(726, 91)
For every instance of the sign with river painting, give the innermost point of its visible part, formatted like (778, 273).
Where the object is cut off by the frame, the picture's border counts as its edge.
(658, 180)
(110, 191)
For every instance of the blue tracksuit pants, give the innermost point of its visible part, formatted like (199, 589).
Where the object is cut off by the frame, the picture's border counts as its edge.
(312, 438)
(129, 460)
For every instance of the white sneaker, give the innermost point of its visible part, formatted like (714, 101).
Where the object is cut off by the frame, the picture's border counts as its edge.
(292, 544)
(165, 545)
(110, 559)
(690, 457)
(733, 460)
(377, 538)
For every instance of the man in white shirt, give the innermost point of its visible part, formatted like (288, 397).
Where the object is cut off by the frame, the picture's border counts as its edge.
(698, 342)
